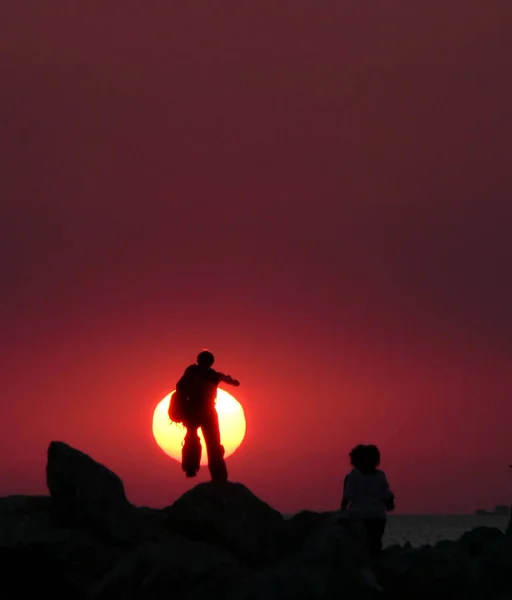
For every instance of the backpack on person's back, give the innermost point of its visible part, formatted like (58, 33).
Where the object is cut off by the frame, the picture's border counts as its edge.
(191, 393)
(178, 405)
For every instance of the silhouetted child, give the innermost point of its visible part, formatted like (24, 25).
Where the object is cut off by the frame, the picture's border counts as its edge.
(367, 496)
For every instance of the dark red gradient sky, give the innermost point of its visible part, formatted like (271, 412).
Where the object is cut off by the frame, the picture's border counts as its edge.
(320, 192)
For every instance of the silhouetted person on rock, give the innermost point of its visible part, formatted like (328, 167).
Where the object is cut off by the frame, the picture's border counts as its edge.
(196, 391)
(367, 496)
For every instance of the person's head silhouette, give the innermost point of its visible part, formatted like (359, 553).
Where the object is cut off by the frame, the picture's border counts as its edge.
(365, 458)
(372, 456)
(205, 359)
(357, 456)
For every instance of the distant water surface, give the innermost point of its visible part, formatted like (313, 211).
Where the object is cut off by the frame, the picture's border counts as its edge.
(430, 529)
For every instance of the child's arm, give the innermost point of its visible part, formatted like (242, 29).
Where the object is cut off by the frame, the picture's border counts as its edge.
(388, 496)
(345, 501)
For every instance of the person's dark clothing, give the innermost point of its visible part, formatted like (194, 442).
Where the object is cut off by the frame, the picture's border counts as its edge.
(199, 384)
(367, 497)
(374, 533)
(209, 424)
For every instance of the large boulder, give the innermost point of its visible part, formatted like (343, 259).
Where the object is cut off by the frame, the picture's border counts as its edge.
(488, 563)
(153, 524)
(508, 532)
(230, 516)
(327, 565)
(298, 528)
(159, 570)
(339, 544)
(421, 573)
(24, 505)
(475, 541)
(87, 494)
(286, 582)
(29, 568)
(477, 565)
(24, 519)
(29, 535)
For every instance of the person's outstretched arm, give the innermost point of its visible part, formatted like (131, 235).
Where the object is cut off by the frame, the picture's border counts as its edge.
(345, 501)
(228, 379)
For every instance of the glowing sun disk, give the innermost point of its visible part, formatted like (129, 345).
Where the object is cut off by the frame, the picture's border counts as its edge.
(169, 436)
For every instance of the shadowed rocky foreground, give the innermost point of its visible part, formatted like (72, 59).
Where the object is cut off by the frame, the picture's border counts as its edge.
(217, 541)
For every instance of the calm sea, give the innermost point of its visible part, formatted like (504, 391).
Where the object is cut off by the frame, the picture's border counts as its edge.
(429, 529)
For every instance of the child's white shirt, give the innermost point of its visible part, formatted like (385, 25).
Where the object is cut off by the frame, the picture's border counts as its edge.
(368, 494)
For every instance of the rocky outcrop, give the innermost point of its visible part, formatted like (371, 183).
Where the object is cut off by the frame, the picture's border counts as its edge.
(85, 541)
(87, 494)
(478, 565)
(154, 569)
(231, 517)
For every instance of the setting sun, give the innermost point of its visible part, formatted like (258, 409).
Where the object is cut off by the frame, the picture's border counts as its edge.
(169, 436)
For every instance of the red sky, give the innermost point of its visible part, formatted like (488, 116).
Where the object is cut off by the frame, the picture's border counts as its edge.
(320, 192)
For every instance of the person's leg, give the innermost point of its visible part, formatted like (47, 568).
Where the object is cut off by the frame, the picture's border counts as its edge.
(374, 533)
(374, 530)
(191, 452)
(214, 448)
(356, 530)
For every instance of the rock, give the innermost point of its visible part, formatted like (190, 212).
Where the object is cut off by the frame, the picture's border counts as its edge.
(418, 572)
(489, 573)
(285, 582)
(292, 581)
(28, 535)
(194, 569)
(30, 567)
(153, 524)
(24, 505)
(221, 542)
(297, 529)
(327, 564)
(338, 544)
(309, 520)
(24, 519)
(395, 561)
(435, 572)
(77, 553)
(483, 535)
(232, 517)
(156, 570)
(478, 565)
(87, 494)
(508, 532)
(475, 541)
(339, 549)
